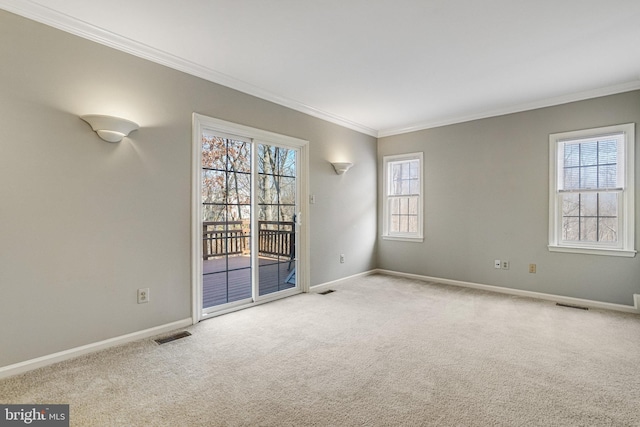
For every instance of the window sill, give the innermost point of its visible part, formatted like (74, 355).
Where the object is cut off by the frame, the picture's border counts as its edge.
(593, 251)
(417, 239)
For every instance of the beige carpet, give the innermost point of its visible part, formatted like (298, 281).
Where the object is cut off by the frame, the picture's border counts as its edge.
(380, 351)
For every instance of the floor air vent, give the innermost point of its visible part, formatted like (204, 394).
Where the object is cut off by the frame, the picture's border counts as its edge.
(572, 306)
(326, 292)
(172, 337)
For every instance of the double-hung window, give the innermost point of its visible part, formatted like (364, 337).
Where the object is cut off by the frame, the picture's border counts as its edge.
(591, 194)
(402, 210)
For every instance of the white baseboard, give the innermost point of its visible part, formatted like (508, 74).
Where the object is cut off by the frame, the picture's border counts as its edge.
(522, 293)
(325, 285)
(28, 365)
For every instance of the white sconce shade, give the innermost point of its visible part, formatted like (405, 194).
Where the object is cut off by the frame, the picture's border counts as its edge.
(341, 167)
(109, 128)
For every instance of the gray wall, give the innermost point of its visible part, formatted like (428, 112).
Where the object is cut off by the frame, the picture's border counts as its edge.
(84, 223)
(486, 198)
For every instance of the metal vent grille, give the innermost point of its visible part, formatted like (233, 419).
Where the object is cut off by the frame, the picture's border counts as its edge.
(328, 291)
(172, 337)
(572, 306)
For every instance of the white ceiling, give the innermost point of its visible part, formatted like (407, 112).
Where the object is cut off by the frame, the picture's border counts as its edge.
(381, 67)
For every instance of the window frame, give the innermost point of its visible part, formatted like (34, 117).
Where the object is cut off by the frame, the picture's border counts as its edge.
(417, 236)
(625, 246)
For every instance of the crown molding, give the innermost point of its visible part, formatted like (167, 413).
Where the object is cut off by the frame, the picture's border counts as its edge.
(55, 19)
(547, 102)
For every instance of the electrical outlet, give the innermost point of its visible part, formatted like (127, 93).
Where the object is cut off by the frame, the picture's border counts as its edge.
(341, 258)
(497, 264)
(505, 265)
(143, 295)
(532, 268)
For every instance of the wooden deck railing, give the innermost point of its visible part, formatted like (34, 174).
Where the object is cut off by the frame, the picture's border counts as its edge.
(275, 238)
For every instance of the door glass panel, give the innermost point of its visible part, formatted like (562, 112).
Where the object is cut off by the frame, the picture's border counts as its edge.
(276, 195)
(226, 221)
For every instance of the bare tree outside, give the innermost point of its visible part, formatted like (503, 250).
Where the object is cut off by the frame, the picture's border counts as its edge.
(226, 179)
(226, 195)
(276, 183)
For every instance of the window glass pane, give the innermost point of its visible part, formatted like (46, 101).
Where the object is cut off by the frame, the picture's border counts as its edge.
(404, 208)
(570, 204)
(414, 187)
(213, 185)
(608, 152)
(589, 177)
(276, 161)
(394, 226)
(239, 284)
(402, 224)
(588, 229)
(287, 162)
(406, 186)
(413, 206)
(268, 186)
(239, 190)
(571, 178)
(571, 155)
(588, 153)
(238, 156)
(395, 206)
(588, 204)
(264, 154)
(286, 213)
(287, 191)
(415, 169)
(268, 213)
(394, 219)
(396, 179)
(607, 176)
(571, 229)
(404, 170)
(608, 204)
(413, 224)
(608, 230)
(214, 213)
(238, 213)
(213, 152)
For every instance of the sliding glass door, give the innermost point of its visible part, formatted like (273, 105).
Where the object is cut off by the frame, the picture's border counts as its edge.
(248, 219)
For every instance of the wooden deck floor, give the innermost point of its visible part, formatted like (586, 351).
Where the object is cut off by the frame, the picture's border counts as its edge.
(228, 279)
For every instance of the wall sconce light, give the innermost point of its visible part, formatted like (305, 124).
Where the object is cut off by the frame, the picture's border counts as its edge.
(341, 167)
(109, 128)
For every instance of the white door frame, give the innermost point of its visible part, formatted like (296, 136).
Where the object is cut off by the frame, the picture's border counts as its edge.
(201, 122)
